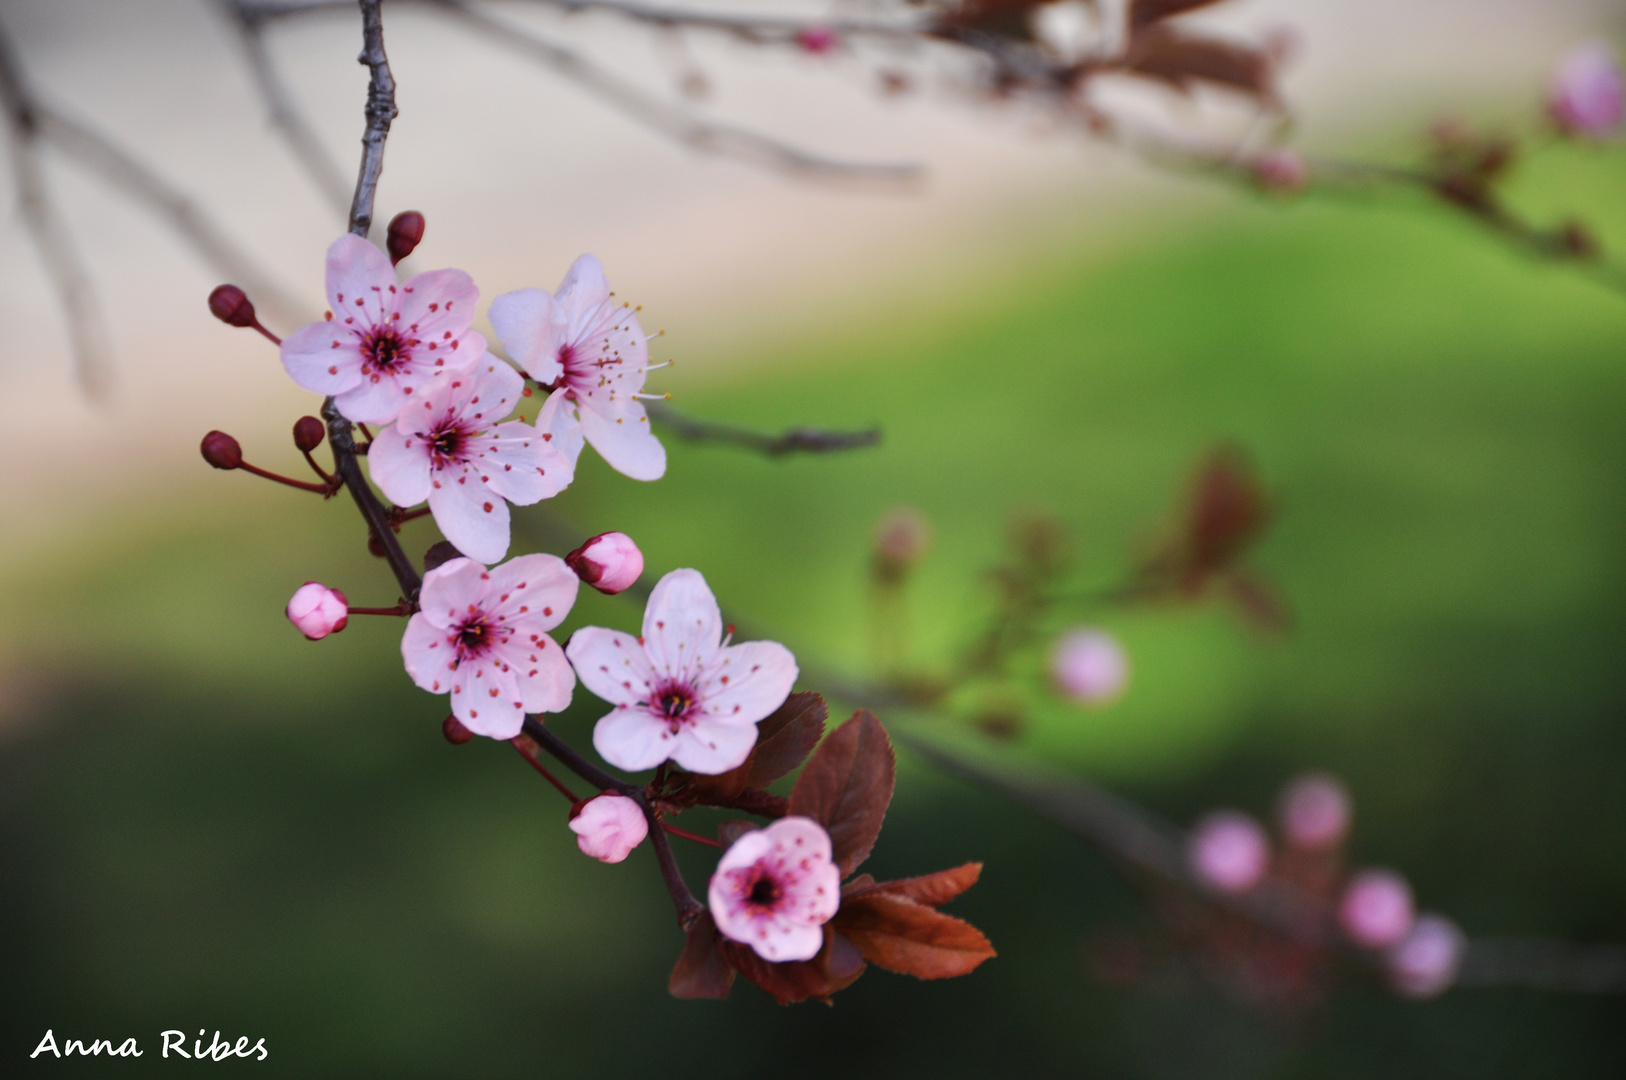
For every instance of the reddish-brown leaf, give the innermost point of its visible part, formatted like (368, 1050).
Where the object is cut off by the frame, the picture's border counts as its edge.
(1261, 603)
(909, 938)
(933, 890)
(1229, 508)
(847, 786)
(837, 966)
(784, 738)
(702, 971)
(1163, 53)
(1143, 13)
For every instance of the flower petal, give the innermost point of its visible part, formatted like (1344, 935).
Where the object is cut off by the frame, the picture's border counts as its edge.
(469, 514)
(428, 655)
(710, 746)
(611, 664)
(520, 465)
(535, 592)
(582, 291)
(542, 675)
(560, 427)
(360, 281)
(748, 681)
(682, 625)
(490, 393)
(375, 399)
(622, 437)
(399, 464)
(452, 590)
(322, 357)
(633, 739)
(485, 696)
(531, 327)
(438, 306)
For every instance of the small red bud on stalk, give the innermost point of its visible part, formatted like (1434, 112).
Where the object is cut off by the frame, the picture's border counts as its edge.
(222, 451)
(455, 732)
(309, 433)
(405, 234)
(232, 306)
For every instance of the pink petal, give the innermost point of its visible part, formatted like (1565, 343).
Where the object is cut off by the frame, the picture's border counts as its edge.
(436, 303)
(632, 739)
(531, 328)
(370, 402)
(559, 426)
(322, 357)
(745, 851)
(682, 624)
(521, 466)
(623, 439)
(540, 671)
(491, 392)
(611, 664)
(485, 696)
(540, 584)
(583, 289)
(469, 514)
(399, 464)
(356, 270)
(709, 746)
(451, 590)
(748, 681)
(428, 655)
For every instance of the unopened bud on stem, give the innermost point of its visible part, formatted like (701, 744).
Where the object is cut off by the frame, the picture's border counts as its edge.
(609, 562)
(405, 234)
(232, 306)
(318, 611)
(221, 450)
(455, 732)
(309, 433)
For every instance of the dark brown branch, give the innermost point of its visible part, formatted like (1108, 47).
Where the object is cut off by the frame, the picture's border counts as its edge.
(347, 468)
(791, 441)
(381, 112)
(280, 108)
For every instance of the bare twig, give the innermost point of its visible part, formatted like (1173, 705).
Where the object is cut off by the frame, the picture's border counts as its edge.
(347, 467)
(1544, 964)
(381, 112)
(281, 110)
(753, 28)
(793, 440)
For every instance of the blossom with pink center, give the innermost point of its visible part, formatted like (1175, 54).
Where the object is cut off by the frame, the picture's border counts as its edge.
(591, 354)
(384, 341)
(609, 827)
(609, 562)
(318, 611)
(1314, 810)
(1089, 666)
(482, 636)
(1376, 910)
(1228, 851)
(1588, 93)
(680, 691)
(775, 888)
(1425, 962)
(452, 448)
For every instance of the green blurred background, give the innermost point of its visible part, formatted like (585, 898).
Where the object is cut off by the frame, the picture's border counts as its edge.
(208, 822)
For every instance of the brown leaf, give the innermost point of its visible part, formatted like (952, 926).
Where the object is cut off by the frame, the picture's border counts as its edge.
(702, 971)
(1143, 13)
(1229, 508)
(909, 938)
(784, 738)
(837, 965)
(1261, 603)
(847, 787)
(932, 890)
(1168, 55)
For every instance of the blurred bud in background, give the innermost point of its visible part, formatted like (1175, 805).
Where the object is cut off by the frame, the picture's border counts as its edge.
(1426, 961)
(1228, 851)
(1314, 811)
(1376, 910)
(1089, 666)
(1587, 95)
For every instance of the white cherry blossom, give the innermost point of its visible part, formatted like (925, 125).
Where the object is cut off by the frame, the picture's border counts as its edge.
(592, 355)
(453, 449)
(482, 636)
(383, 341)
(680, 691)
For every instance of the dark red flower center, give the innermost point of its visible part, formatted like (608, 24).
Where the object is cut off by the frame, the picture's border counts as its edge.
(385, 350)
(765, 892)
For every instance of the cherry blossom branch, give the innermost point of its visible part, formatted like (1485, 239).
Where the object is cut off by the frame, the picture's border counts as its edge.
(793, 440)
(381, 111)
(758, 29)
(347, 468)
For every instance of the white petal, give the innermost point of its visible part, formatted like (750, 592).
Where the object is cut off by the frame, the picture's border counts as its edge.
(451, 591)
(748, 681)
(437, 307)
(583, 289)
(360, 281)
(611, 664)
(788, 940)
(322, 357)
(682, 624)
(485, 697)
(534, 591)
(399, 465)
(560, 427)
(531, 328)
(709, 746)
(633, 739)
(376, 399)
(541, 673)
(469, 514)
(622, 437)
(746, 850)
(520, 465)
(492, 391)
(428, 654)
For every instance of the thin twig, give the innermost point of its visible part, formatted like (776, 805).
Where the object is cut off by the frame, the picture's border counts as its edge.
(381, 112)
(753, 28)
(793, 440)
(347, 468)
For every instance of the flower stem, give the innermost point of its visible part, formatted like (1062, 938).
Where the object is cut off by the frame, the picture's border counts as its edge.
(523, 745)
(304, 485)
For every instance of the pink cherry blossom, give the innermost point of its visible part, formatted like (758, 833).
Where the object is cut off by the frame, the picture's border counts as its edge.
(609, 562)
(383, 342)
(318, 610)
(680, 691)
(452, 449)
(775, 888)
(1426, 961)
(1588, 93)
(818, 40)
(609, 827)
(1376, 910)
(1089, 666)
(1228, 851)
(591, 354)
(1314, 810)
(481, 636)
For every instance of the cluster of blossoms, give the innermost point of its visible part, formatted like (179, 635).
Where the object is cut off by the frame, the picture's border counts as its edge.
(1230, 853)
(717, 719)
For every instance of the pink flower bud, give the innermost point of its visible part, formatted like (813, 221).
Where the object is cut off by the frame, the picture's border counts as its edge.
(1228, 851)
(1425, 962)
(818, 40)
(221, 450)
(609, 562)
(1587, 95)
(318, 610)
(1281, 169)
(1376, 910)
(901, 538)
(608, 827)
(1314, 811)
(1089, 666)
(309, 433)
(231, 306)
(404, 235)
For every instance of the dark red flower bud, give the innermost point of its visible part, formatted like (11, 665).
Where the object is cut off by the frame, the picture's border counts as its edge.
(439, 554)
(405, 234)
(221, 450)
(309, 433)
(455, 732)
(375, 547)
(231, 306)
